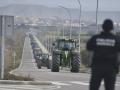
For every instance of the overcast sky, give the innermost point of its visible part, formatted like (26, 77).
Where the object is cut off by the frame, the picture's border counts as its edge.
(109, 5)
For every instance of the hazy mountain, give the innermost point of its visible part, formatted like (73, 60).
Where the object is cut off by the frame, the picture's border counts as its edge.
(34, 10)
(44, 11)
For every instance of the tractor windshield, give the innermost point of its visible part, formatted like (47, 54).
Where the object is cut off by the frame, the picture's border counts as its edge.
(66, 44)
(45, 56)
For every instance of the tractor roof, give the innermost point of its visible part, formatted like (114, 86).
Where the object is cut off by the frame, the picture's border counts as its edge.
(69, 40)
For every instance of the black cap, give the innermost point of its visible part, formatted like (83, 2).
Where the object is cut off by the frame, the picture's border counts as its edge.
(107, 25)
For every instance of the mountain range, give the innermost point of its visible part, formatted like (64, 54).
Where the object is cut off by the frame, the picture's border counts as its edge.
(35, 10)
(44, 11)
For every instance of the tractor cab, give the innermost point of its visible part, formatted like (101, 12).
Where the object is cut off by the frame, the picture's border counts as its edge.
(45, 56)
(43, 60)
(65, 44)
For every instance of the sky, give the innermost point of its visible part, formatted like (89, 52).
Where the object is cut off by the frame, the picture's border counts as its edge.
(87, 5)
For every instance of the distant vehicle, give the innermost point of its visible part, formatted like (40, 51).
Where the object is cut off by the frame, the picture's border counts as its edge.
(64, 54)
(43, 60)
(36, 53)
(33, 42)
(40, 58)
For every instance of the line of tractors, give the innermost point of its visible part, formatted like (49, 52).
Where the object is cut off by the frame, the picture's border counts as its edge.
(64, 54)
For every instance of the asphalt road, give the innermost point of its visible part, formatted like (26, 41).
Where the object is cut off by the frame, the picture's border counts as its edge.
(63, 80)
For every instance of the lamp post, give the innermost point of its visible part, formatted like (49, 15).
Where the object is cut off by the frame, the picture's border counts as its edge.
(80, 12)
(3, 48)
(63, 32)
(97, 16)
(62, 22)
(68, 11)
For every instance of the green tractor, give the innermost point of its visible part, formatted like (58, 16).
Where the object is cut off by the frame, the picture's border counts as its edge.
(65, 54)
(41, 58)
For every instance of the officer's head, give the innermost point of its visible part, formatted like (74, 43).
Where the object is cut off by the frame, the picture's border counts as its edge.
(107, 25)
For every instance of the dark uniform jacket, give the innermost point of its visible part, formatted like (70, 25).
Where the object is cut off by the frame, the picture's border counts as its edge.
(105, 47)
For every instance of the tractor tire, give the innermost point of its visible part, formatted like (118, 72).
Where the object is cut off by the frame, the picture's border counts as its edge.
(75, 62)
(55, 62)
(39, 64)
(47, 64)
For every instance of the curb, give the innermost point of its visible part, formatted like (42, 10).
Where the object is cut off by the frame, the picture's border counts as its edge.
(12, 82)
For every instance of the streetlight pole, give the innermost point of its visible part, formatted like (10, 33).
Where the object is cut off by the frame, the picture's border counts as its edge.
(79, 20)
(3, 47)
(97, 16)
(62, 21)
(70, 19)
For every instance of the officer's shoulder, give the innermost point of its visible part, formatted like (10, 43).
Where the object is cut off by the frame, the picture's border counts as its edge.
(96, 35)
(93, 38)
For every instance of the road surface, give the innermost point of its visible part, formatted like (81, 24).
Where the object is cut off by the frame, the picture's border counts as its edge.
(64, 80)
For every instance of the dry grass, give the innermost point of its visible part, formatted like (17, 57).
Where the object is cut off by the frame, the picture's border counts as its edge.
(20, 78)
(17, 46)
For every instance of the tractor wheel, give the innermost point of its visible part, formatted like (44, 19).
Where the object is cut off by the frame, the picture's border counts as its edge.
(47, 64)
(55, 62)
(75, 62)
(39, 64)
(39, 67)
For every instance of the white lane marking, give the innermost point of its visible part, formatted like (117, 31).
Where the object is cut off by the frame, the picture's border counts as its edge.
(59, 83)
(81, 83)
(117, 83)
(86, 84)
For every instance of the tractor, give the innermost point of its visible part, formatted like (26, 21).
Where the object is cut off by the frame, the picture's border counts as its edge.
(43, 60)
(65, 54)
(36, 53)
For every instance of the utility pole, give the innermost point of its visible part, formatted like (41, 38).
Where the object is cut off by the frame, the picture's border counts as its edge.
(62, 22)
(68, 11)
(3, 47)
(2, 29)
(80, 13)
(0, 46)
(97, 16)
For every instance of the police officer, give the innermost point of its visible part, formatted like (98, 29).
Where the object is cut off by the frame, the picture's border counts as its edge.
(105, 47)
